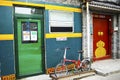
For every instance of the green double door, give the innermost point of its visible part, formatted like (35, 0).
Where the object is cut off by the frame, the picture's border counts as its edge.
(30, 58)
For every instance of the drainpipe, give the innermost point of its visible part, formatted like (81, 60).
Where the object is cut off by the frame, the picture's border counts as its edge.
(88, 29)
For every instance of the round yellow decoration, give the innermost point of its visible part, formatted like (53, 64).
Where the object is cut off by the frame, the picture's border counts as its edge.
(100, 51)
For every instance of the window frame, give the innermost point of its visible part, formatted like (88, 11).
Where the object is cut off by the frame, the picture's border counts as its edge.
(60, 21)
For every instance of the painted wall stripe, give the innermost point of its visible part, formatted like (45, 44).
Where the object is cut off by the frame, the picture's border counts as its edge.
(50, 35)
(10, 3)
(69, 35)
(6, 37)
(28, 4)
(50, 7)
(5, 3)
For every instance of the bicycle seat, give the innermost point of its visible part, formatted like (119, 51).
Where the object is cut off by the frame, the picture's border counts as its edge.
(62, 48)
(81, 51)
(67, 48)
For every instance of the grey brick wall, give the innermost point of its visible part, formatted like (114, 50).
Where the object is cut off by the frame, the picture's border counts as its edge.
(84, 39)
(115, 38)
(118, 37)
(115, 48)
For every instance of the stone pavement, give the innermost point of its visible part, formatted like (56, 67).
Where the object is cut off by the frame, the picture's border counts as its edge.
(106, 67)
(106, 70)
(115, 76)
(39, 77)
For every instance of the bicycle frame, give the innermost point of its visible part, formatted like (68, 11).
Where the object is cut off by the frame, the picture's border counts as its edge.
(77, 62)
(61, 68)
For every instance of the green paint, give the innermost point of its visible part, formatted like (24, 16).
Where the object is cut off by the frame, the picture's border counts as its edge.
(29, 54)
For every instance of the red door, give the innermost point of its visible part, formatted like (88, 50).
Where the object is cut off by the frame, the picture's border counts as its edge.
(101, 37)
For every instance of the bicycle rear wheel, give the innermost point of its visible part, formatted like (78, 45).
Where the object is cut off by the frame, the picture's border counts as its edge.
(85, 65)
(61, 70)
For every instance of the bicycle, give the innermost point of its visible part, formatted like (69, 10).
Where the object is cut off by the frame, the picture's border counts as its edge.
(61, 68)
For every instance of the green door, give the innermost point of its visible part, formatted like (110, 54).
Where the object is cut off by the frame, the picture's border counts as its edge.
(29, 47)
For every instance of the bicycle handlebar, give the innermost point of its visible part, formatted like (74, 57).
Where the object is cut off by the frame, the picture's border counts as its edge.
(62, 48)
(67, 48)
(81, 51)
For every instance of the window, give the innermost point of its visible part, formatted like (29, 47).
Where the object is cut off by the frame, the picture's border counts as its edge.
(28, 10)
(29, 32)
(61, 21)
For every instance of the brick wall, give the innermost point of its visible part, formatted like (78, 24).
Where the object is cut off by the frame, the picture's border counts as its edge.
(118, 37)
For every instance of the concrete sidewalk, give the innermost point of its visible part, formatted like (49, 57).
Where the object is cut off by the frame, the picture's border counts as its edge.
(106, 67)
(115, 76)
(106, 70)
(39, 77)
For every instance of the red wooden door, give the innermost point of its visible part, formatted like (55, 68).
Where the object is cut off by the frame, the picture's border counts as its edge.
(101, 37)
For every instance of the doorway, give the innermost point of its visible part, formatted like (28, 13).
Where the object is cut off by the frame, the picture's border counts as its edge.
(101, 36)
(29, 42)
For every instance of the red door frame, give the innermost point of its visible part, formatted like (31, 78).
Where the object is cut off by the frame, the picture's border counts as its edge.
(110, 32)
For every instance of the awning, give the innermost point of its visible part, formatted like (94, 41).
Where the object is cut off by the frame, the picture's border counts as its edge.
(105, 7)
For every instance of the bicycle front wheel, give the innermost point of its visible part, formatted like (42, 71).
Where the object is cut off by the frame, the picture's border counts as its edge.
(61, 70)
(85, 65)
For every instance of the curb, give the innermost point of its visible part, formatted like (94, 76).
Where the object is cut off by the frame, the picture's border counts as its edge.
(106, 74)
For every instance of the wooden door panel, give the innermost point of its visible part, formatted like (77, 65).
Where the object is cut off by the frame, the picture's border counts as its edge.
(101, 37)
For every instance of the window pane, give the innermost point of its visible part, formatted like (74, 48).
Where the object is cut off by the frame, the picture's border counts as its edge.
(29, 32)
(61, 29)
(27, 10)
(61, 21)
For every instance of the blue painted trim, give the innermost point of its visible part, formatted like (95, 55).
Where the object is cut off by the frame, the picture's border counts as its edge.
(54, 56)
(7, 58)
(6, 20)
(77, 22)
(46, 21)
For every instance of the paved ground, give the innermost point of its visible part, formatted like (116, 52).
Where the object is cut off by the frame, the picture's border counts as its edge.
(39, 77)
(106, 69)
(115, 76)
